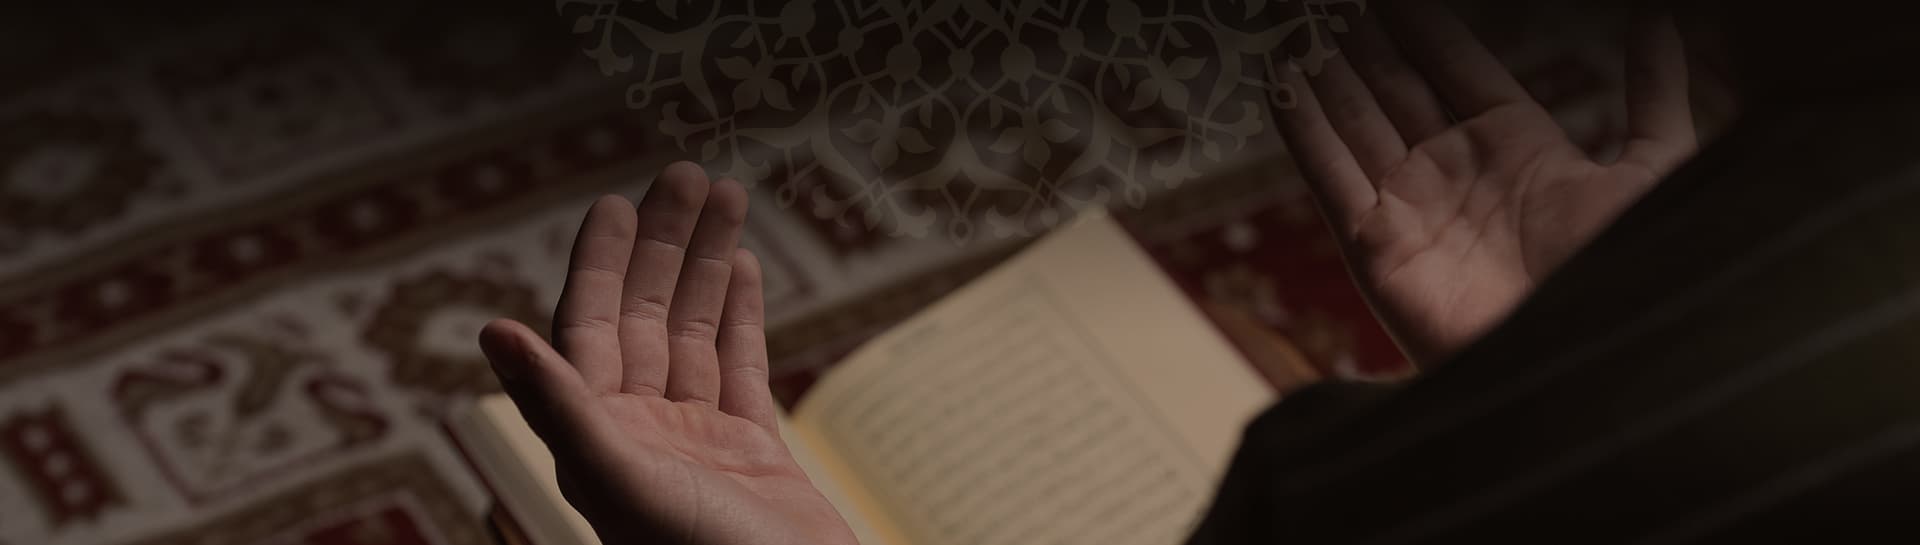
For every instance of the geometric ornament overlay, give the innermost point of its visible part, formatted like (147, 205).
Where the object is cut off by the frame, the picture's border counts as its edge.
(962, 118)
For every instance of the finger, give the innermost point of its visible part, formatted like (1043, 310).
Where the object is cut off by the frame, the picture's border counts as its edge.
(585, 322)
(1358, 120)
(667, 216)
(552, 396)
(743, 346)
(1338, 183)
(1468, 77)
(1659, 112)
(1402, 94)
(694, 325)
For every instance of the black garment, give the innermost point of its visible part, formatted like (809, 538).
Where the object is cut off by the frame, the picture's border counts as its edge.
(1736, 360)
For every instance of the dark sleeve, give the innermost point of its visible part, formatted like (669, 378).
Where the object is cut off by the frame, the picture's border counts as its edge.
(1236, 514)
(1737, 360)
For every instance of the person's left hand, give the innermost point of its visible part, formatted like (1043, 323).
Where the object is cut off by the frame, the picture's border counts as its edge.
(655, 404)
(1452, 191)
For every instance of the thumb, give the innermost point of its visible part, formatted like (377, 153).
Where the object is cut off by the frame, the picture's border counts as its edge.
(550, 393)
(1659, 108)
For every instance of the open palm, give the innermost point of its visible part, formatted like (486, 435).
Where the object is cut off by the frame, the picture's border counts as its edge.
(655, 403)
(1453, 191)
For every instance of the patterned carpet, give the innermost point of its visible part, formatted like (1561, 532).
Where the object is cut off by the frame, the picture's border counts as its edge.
(242, 263)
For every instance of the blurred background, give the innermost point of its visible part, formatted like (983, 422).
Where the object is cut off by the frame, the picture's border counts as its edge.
(245, 249)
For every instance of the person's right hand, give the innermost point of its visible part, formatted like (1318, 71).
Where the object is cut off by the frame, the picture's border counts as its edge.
(1453, 192)
(656, 404)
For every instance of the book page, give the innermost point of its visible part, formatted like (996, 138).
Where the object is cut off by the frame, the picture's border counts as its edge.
(831, 477)
(1072, 395)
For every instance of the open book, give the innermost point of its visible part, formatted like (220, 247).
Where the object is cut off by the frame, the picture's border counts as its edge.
(1072, 395)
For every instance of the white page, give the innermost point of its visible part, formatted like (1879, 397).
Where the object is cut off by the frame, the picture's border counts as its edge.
(1072, 395)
